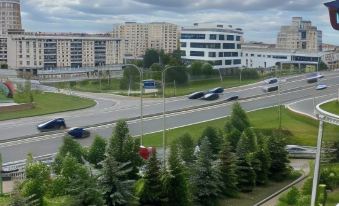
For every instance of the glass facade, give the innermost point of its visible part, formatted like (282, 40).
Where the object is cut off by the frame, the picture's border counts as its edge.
(193, 36)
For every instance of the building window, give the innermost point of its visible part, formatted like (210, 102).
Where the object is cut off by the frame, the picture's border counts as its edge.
(238, 38)
(227, 54)
(279, 57)
(235, 54)
(236, 61)
(229, 46)
(221, 37)
(206, 45)
(221, 54)
(213, 37)
(230, 37)
(228, 62)
(183, 44)
(252, 55)
(259, 55)
(218, 63)
(239, 46)
(197, 53)
(212, 54)
(192, 36)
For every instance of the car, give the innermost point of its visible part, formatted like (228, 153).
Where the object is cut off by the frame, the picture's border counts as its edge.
(232, 98)
(297, 151)
(55, 124)
(78, 132)
(210, 96)
(271, 88)
(196, 95)
(271, 81)
(321, 86)
(218, 90)
(313, 77)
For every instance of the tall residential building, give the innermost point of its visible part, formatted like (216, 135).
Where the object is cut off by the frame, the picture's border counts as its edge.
(139, 37)
(52, 50)
(218, 44)
(10, 16)
(300, 35)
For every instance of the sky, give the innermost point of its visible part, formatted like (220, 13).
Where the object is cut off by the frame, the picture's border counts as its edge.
(260, 19)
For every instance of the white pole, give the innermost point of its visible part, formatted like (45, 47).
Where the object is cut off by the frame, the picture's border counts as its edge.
(317, 164)
(141, 107)
(164, 116)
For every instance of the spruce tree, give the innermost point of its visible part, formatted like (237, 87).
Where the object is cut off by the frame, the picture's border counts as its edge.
(245, 172)
(239, 118)
(214, 138)
(117, 189)
(186, 148)
(263, 156)
(227, 169)
(176, 184)
(96, 152)
(279, 169)
(205, 180)
(151, 191)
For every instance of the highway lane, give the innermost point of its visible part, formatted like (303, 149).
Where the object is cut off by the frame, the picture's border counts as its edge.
(18, 150)
(125, 107)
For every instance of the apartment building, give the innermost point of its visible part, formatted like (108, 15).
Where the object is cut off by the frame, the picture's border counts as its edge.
(139, 37)
(3, 50)
(218, 44)
(300, 35)
(10, 16)
(55, 50)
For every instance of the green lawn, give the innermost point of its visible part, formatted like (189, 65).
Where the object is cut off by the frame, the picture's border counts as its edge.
(303, 130)
(47, 103)
(113, 87)
(4, 200)
(332, 107)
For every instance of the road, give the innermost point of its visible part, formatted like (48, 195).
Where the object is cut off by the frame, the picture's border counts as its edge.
(292, 91)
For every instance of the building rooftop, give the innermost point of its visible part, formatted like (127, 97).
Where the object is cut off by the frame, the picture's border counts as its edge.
(212, 27)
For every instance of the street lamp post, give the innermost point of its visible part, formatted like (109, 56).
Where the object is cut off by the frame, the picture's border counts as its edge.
(141, 102)
(164, 110)
(1, 187)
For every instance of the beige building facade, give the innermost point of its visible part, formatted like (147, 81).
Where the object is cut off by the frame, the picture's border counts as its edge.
(60, 50)
(139, 37)
(300, 35)
(10, 16)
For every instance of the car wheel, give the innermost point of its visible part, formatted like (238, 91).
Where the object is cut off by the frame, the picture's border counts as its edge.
(62, 127)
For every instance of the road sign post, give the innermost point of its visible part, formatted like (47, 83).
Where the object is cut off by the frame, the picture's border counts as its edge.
(1, 186)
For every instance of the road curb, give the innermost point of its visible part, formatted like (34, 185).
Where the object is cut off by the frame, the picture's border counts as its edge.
(303, 177)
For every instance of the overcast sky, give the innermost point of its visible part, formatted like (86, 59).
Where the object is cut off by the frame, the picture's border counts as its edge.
(260, 19)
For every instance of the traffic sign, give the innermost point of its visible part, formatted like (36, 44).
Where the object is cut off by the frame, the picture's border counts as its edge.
(149, 84)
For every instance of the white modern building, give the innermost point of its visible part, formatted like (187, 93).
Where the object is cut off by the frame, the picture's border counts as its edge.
(218, 44)
(261, 57)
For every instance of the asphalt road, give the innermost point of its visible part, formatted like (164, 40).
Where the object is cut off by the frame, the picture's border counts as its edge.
(110, 108)
(292, 91)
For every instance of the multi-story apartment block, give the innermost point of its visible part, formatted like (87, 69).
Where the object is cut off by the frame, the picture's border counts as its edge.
(52, 50)
(3, 50)
(300, 35)
(10, 16)
(139, 37)
(220, 45)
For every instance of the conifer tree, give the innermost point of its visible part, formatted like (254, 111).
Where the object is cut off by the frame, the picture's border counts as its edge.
(186, 148)
(176, 185)
(227, 169)
(239, 118)
(151, 191)
(279, 169)
(96, 152)
(263, 156)
(214, 138)
(205, 179)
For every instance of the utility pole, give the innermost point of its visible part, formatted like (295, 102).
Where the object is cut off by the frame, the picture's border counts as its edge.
(1, 186)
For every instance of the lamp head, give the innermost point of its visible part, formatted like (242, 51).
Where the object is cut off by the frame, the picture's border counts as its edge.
(333, 9)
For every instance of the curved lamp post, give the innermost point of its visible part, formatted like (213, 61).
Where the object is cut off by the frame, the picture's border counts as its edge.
(164, 109)
(141, 101)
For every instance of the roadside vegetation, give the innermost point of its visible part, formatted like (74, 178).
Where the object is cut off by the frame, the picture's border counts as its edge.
(332, 107)
(216, 167)
(46, 103)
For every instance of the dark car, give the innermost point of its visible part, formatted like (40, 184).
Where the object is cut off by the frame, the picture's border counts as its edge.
(313, 77)
(78, 132)
(211, 96)
(218, 90)
(51, 125)
(232, 98)
(196, 95)
(271, 81)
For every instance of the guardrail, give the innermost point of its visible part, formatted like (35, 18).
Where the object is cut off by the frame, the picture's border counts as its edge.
(16, 170)
(327, 116)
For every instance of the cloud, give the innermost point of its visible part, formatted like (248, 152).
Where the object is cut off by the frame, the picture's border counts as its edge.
(260, 19)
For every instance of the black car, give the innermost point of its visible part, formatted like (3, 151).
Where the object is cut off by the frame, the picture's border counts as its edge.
(232, 98)
(55, 124)
(210, 96)
(218, 90)
(78, 132)
(271, 88)
(196, 95)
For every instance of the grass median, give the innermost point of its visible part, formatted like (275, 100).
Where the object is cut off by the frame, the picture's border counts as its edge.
(302, 130)
(332, 107)
(49, 103)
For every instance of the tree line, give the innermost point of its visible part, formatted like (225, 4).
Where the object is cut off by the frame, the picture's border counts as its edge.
(220, 164)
